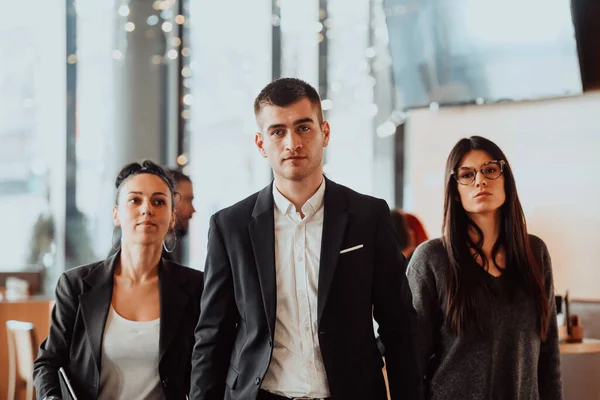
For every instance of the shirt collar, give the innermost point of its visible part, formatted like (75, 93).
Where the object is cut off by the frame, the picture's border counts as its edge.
(311, 206)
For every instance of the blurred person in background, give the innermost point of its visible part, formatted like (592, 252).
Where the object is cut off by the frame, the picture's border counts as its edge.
(184, 198)
(417, 233)
(409, 237)
(484, 291)
(401, 228)
(123, 328)
(411, 232)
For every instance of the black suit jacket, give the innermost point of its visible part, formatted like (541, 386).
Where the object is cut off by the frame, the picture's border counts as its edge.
(235, 332)
(83, 297)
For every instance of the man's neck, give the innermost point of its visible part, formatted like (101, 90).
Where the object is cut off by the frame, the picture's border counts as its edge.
(298, 192)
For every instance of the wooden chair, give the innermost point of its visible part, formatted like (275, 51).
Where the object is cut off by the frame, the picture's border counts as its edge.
(387, 384)
(22, 348)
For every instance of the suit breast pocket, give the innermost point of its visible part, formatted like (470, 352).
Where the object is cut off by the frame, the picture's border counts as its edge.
(352, 250)
(355, 258)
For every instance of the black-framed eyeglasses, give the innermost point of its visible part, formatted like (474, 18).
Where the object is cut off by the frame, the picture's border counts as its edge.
(491, 170)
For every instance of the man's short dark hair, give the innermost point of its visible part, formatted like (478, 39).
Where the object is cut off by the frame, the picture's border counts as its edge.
(285, 91)
(178, 176)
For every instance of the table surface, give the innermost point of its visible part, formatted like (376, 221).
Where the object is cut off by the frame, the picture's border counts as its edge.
(588, 346)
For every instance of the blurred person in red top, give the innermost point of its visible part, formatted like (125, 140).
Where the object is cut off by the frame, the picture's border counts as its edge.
(411, 231)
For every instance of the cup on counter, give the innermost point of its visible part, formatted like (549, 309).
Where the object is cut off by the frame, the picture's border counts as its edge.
(16, 289)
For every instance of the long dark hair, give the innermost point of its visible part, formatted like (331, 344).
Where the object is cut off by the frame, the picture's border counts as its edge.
(520, 264)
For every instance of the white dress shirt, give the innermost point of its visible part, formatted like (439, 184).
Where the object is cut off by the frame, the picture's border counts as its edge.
(296, 368)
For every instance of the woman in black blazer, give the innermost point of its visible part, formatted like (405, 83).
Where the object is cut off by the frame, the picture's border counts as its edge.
(123, 328)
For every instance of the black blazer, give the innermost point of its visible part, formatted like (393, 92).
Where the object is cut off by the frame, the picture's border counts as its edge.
(235, 332)
(83, 297)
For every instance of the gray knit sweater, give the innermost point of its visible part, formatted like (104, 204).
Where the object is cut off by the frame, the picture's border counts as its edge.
(508, 361)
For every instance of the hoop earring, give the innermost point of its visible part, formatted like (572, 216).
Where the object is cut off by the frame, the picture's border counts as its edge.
(174, 240)
(113, 238)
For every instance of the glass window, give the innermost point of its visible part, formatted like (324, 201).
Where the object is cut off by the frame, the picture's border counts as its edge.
(474, 51)
(361, 102)
(32, 132)
(99, 49)
(228, 68)
(300, 31)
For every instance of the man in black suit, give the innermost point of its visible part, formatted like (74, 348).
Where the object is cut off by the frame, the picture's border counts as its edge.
(294, 274)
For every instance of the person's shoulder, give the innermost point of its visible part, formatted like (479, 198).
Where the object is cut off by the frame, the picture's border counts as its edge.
(429, 257)
(82, 271)
(240, 209)
(186, 277)
(183, 271)
(432, 248)
(537, 244)
(359, 200)
(351, 193)
(75, 276)
(540, 251)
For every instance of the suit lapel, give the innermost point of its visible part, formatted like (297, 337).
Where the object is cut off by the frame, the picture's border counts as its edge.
(262, 235)
(95, 303)
(172, 306)
(334, 226)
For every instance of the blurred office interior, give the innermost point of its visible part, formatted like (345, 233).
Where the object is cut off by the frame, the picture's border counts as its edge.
(87, 86)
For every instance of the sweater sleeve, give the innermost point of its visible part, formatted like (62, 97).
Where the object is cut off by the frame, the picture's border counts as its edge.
(425, 301)
(549, 379)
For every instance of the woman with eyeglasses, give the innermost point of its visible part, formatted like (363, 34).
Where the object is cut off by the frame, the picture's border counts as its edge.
(484, 291)
(123, 328)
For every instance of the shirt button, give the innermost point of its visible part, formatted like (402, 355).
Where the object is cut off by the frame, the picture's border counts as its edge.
(257, 381)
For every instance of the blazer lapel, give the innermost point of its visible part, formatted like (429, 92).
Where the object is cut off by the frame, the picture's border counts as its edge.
(334, 225)
(262, 235)
(95, 304)
(172, 305)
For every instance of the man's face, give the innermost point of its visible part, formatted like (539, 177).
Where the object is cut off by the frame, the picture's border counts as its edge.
(184, 206)
(292, 139)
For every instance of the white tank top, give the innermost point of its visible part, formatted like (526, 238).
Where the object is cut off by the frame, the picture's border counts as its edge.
(129, 369)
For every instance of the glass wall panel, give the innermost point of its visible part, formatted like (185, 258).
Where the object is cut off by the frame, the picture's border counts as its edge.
(32, 133)
(99, 48)
(229, 66)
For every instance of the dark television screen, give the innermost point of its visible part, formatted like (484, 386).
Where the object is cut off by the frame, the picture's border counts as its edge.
(586, 18)
(481, 51)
